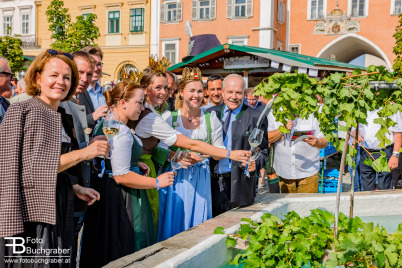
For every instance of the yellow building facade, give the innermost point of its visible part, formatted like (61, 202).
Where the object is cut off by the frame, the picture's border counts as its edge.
(124, 31)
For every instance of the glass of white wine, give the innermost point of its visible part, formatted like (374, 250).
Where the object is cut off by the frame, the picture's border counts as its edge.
(255, 140)
(111, 125)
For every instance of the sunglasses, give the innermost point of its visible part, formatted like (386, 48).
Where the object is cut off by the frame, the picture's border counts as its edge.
(6, 73)
(55, 53)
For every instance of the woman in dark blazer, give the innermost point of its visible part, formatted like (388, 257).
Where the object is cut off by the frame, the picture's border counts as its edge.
(40, 168)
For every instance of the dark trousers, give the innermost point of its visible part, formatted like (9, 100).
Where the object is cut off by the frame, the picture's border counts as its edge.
(220, 189)
(368, 174)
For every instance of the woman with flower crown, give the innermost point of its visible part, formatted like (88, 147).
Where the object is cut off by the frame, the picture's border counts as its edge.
(121, 223)
(188, 202)
(152, 129)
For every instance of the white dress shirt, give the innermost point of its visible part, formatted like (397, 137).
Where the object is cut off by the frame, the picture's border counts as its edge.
(200, 133)
(153, 125)
(300, 160)
(369, 131)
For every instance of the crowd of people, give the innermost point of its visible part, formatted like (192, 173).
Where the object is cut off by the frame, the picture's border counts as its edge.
(60, 174)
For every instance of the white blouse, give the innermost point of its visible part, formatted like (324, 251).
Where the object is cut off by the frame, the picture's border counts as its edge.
(200, 133)
(120, 150)
(153, 125)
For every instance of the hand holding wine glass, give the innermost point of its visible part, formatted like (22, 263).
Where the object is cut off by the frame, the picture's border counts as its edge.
(178, 160)
(111, 125)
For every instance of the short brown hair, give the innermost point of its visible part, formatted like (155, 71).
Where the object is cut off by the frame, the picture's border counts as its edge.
(37, 67)
(121, 91)
(93, 50)
(85, 56)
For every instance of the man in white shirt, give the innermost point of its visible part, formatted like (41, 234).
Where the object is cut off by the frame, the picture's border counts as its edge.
(297, 164)
(371, 143)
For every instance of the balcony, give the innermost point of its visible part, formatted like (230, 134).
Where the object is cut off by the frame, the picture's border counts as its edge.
(30, 44)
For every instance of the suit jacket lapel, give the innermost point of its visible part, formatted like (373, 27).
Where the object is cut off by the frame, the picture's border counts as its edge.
(88, 100)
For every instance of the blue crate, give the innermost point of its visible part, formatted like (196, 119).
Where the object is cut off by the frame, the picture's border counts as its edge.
(330, 186)
(330, 149)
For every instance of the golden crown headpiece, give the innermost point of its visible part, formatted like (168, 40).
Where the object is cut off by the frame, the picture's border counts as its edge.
(131, 76)
(192, 73)
(158, 66)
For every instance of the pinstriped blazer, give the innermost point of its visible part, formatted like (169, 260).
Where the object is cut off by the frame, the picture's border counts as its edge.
(30, 146)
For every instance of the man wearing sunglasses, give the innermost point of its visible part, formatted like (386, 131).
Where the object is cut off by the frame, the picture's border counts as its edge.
(5, 81)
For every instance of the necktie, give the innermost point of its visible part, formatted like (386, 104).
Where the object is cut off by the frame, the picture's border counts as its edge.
(226, 124)
(1, 109)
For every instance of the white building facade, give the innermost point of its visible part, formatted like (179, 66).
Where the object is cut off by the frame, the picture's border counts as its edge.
(18, 17)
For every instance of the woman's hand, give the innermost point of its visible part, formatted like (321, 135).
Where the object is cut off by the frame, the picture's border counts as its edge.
(251, 166)
(194, 158)
(98, 146)
(166, 179)
(240, 156)
(89, 195)
(144, 167)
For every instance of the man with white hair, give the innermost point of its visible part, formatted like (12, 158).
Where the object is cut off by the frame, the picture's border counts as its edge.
(231, 184)
(5, 80)
(20, 91)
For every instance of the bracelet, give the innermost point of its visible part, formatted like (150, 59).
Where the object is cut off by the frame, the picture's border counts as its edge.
(157, 183)
(72, 160)
(228, 155)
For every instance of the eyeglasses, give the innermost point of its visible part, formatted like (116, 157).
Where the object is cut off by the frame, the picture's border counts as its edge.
(6, 73)
(55, 53)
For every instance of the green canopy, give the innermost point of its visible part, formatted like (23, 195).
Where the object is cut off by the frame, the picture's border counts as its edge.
(284, 57)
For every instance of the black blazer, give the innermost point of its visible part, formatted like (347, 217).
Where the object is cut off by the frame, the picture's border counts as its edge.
(243, 189)
(85, 100)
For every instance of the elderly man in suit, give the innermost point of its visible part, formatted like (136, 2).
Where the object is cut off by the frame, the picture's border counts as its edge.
(230, 183)
(5, 80)
(92, 98)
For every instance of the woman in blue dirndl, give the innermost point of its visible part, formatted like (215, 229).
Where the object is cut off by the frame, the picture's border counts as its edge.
(188, 202)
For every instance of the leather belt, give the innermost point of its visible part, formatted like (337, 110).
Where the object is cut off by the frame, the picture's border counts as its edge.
(378, 150)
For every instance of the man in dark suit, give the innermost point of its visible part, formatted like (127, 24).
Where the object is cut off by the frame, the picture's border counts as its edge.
(86, 66)
(5, 80)
(92, 98)
(231, 187)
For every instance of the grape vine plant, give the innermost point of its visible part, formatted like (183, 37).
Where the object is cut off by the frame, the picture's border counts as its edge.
(346, 99)
(308, 242)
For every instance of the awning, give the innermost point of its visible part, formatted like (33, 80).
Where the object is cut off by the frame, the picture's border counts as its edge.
(294, 60)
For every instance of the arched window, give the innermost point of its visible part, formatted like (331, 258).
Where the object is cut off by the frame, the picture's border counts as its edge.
(127, 68)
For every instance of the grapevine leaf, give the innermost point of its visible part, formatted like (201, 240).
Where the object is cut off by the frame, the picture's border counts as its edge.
(219, 230)
(230, 242)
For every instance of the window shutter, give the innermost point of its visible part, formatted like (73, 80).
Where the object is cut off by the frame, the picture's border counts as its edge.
(229, 8)
(162, 18)
(213, 9)
(249, 9)
(179, 13)
(194, 10)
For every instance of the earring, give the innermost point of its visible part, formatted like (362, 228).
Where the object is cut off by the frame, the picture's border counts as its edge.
(39, 91)
(124, 107)
(180, 97)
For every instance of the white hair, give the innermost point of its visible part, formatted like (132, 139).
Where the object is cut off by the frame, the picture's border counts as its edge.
(2, 69)
(230, 76)
(22, 84)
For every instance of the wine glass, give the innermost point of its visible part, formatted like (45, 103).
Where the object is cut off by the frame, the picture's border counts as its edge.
(178, 159)
(255, 140)
(111, 126)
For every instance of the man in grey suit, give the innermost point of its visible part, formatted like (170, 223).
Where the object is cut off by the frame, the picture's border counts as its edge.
(86, 67)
